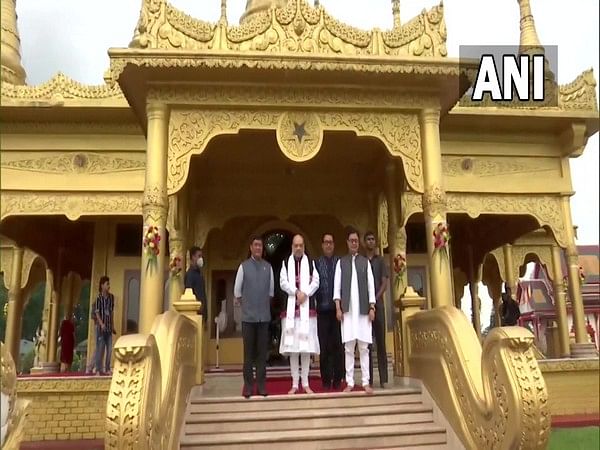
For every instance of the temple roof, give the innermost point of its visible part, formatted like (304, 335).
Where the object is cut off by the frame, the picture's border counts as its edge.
(296, 27)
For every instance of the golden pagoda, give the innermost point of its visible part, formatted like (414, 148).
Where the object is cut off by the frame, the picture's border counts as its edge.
(290, 122)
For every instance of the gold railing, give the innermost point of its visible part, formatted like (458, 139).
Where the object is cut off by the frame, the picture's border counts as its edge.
(14, 410)
(152, 379)
(494, 397)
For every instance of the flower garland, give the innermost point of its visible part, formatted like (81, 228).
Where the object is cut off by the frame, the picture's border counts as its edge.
(441, 238)
(151, 247)
(399, 267)
(175, 266)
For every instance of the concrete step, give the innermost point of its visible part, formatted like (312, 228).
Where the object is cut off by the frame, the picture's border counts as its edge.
(291, 419)
(397, 435)
(303, 401)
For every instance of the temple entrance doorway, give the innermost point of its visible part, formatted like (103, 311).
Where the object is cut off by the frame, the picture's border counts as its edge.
(277, 246)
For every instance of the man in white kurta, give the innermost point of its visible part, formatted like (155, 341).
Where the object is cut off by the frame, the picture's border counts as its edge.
(299, 337)
(354, 295)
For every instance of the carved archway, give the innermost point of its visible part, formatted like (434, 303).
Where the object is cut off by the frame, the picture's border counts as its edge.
(191, 129)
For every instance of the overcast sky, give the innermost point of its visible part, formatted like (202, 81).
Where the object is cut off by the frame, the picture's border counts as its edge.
(73, 36)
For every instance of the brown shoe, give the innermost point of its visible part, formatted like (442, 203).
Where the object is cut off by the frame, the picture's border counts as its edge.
(368, 389)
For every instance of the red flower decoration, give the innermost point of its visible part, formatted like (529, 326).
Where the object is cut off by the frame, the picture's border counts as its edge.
(151, 246)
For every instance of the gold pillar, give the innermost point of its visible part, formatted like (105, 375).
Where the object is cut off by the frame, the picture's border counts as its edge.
(53, 331)
(154, 210)
(434, 208)
(395, 247)
(10, 53)
(509, 266)
(581, 348)
(15, 299)
(177, 244)
(189, 306)
(560, 305)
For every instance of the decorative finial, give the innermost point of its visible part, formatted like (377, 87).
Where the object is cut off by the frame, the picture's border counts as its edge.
(317, 3)
(12, 70)
(529, 38)
(396, 13)
(224, 11)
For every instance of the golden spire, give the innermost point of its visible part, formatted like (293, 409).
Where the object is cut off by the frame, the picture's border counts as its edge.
(11, 69)
(529, 37)
(255, 6)
(396, 13)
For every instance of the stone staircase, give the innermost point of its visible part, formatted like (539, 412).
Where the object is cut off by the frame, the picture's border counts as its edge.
(398, 417)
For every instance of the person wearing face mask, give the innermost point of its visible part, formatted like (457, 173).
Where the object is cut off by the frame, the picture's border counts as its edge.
(194, 278)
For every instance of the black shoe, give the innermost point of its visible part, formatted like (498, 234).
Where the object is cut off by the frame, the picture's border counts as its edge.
(382, 385)
(246, 392)
(263, 393)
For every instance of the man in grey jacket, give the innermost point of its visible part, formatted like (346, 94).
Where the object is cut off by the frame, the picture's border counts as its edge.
(254, 289)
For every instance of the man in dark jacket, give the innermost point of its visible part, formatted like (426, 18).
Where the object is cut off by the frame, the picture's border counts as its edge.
(509, 311)
(194, 278)
(331, 359)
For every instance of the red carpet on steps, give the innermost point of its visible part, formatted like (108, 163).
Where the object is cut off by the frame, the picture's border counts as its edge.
(281, 386)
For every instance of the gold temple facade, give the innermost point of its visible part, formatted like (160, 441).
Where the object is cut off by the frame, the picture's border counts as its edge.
(291, 122)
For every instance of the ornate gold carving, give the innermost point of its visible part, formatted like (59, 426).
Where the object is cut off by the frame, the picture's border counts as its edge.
(299, 135)
(71, 127)
(16, 416)
(29, 257)
(296, 27)
(510, 408)
(92, 163)
(133, 418)
(520, 252)
(71, 204)
(459, 166)
(399, 132)
(434, 202)
(190, 132)
(272, 61)
(298, 97)
(65, 385)
(155, 206)
(412, 203)
(151, 382)
(580, 94)
(569, 365)
(61, 87)
(545, 208)
(382, 220)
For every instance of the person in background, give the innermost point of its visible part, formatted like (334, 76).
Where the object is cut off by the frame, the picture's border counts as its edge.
(67, 343)
(104, 309)
(194, 278)
(509, 310)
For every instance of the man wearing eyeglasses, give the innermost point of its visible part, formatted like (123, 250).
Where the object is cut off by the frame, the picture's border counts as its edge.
(354, 295)
(331, 359)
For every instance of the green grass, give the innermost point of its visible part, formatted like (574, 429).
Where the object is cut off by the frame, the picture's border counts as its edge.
(586, 438)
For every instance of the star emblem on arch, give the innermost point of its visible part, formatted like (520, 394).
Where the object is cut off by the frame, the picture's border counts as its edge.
(300, 131)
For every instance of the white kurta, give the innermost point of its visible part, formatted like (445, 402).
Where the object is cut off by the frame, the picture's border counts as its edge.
(355, 325)
(298, 334)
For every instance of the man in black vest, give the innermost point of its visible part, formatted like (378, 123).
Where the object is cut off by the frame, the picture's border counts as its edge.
(254, 289)
(380, 275)
(354, 295)
(331, 359)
